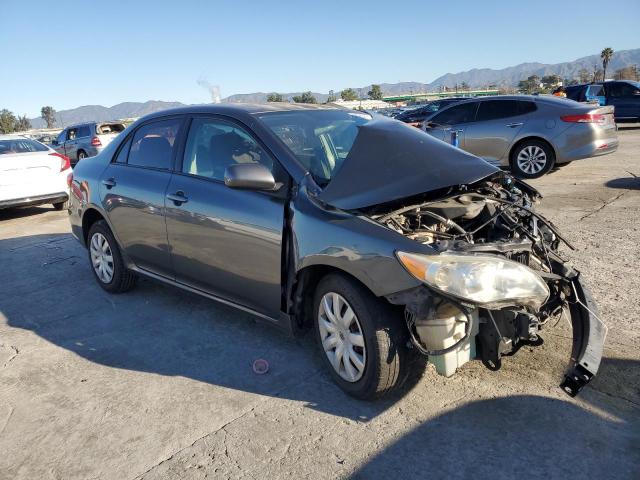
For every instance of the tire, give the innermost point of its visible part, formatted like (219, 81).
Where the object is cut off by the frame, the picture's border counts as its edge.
(120, 280)
(82, 155)
(532, 159)
(385, 357)
(61, 205)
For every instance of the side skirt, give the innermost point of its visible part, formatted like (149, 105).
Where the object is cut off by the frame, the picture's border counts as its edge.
(283, 322)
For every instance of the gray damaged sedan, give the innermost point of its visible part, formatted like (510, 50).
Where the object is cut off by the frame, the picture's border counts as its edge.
(391, 246)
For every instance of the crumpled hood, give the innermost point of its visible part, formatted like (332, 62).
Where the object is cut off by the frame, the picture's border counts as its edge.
(390, 160)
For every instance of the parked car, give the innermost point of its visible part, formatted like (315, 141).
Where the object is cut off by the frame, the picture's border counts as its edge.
(389, 245)
(418, 115)
(32, 174)
(86, 139)
(529, 134)
(624, 95)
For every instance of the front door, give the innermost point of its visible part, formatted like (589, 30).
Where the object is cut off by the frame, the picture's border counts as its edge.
(133, 189)
(450, 124)
(71, 145)
(223, 241)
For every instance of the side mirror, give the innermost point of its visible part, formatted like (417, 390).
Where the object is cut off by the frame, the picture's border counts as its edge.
(249, 176)
(54, 142)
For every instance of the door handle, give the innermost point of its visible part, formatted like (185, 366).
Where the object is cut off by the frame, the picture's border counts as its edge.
(514, 125)
(177, 198)
(109, 183)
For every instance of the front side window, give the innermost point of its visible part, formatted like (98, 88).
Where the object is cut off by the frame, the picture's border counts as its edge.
(624, 89)
(463, 113)
(62, 137)
(320, 139)
(214, 144)
(72, 134)
(153, 144)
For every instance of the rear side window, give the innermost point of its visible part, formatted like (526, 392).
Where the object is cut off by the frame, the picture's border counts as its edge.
(153, 144)
(20, 145)
(526, 107)
(123, 152)
(496, 109)
(84, 131)
(463, 113)
(106, 128)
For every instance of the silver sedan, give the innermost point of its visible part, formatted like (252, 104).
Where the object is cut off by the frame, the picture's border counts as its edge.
(529, 134)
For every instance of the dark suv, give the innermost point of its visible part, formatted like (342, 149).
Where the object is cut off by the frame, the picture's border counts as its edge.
(624, 95)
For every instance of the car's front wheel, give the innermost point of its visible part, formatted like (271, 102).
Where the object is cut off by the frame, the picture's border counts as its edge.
(106, 260)
(532, 159)
(363, 339)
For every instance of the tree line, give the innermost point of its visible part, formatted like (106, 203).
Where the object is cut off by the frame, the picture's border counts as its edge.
(348, 94)
(546, 84)
(10, 122)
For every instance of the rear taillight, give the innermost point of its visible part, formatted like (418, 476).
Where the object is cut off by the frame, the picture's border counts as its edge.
(585, 118)
(95, 142)
(65, 163)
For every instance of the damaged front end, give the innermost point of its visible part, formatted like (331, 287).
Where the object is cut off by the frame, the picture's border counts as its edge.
(496, 281)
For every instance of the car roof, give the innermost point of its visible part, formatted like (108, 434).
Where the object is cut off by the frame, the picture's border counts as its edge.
(243, 108)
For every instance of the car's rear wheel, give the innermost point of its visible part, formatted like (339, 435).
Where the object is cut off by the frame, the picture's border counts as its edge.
(362, 338)
(61, 205)
(82, 154)
(106, 260)
(532, 159)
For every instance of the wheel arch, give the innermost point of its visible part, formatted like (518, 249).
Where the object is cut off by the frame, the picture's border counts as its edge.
(300, 303)
(90, 216)
(522, 140)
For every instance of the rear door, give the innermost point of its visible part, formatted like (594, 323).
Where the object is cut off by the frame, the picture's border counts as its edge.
(133, 188)
(497, 124)
(452, 122)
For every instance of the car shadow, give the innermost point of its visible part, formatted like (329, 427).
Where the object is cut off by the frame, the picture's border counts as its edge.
(15, 213)
(162, 330)
(524, 436)
(624, 183)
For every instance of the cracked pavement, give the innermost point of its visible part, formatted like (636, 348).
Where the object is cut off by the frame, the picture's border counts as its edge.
(158, 384)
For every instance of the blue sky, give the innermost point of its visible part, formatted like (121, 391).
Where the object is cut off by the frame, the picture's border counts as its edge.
(68, 54)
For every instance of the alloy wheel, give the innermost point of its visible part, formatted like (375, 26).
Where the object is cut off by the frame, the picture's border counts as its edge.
(342, 337)
(531, 159)
(101, 257)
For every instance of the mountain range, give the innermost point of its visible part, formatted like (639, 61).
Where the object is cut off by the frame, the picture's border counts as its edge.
(477, 77)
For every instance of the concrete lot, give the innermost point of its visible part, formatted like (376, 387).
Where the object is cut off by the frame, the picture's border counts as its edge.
(157, 383)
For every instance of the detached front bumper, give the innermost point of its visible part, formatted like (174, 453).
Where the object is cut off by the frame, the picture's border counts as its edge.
(589, 333)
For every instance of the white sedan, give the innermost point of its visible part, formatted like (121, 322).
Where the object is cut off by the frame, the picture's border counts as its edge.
(32, 174)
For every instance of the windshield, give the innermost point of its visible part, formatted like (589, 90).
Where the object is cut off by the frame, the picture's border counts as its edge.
(320, 139)
(20, 145)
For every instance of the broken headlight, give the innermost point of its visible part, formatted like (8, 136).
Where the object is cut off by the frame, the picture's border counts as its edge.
(492, 282)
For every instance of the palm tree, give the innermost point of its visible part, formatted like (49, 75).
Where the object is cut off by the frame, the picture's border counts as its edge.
(605, 55)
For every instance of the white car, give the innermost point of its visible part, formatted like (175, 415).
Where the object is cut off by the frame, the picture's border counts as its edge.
(32, 174)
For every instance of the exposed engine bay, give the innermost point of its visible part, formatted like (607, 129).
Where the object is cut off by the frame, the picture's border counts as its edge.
(492, 218)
